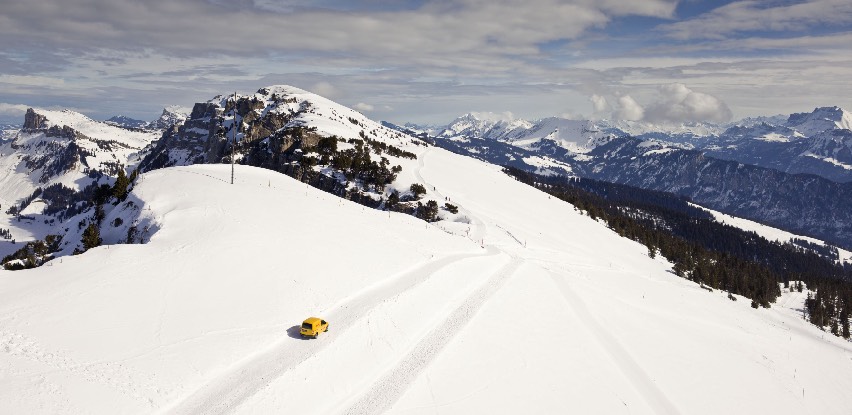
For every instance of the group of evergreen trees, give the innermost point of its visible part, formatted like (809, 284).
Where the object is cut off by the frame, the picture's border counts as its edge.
(93, 197)
(708, 252)
(355, 163)
(33, 254)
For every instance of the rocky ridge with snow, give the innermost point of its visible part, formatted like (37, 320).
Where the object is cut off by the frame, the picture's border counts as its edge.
(66, 148)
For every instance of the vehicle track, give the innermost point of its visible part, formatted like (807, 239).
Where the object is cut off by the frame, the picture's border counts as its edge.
(655, 398)
(246, 377)
(387, 390)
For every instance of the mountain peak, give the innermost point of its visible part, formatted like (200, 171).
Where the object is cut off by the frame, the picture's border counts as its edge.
(820, 119)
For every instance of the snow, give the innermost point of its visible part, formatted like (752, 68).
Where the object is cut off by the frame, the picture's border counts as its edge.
(518, 305)
(829, 160)
(658, 151)
(768, 232)
(774, 137)
(821, 119)
(97, 129)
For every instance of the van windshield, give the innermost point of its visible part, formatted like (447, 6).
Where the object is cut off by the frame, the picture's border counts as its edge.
(307, 326)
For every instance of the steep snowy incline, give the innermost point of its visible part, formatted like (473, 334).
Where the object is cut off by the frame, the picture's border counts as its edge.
(519, 305)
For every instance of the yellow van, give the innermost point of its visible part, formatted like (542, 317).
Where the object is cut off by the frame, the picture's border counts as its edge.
(313, 326)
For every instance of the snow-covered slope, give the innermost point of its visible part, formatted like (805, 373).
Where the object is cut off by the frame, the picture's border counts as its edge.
(173, 114)
(64, 147)
(8, 131)
(819, 120)
(770, 233)
(519, 304)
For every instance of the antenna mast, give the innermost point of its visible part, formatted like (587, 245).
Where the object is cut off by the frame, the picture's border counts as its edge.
(235, 137)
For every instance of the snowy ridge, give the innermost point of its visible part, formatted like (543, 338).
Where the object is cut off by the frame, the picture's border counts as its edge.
(821, 119)
(63, 148)
(96, 129)
(328, 117)
(423, 317)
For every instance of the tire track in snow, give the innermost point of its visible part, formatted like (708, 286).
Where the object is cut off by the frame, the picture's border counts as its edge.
(655, 398)
(387, 390)
(248, 376)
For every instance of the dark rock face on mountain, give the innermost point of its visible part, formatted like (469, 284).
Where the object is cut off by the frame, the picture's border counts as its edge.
(277, 128)
(33, 120)
(207, 134)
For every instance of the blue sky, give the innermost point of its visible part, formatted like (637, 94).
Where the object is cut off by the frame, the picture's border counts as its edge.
(430, 61)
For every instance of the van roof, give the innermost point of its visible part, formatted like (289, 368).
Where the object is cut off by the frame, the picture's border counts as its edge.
(312, 320)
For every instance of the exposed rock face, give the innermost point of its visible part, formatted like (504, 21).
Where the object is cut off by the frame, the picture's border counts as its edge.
(33, 120)
(206, 136)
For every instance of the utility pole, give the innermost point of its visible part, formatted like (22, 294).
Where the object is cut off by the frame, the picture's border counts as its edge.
(235, 137)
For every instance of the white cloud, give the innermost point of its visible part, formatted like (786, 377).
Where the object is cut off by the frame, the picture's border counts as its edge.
(31, 80)
(494, 116)
(599, 104)
(364, 107)
(629, 109)
(12, 109)
(678, 103)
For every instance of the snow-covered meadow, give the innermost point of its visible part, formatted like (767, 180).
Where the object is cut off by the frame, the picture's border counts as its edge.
(517, 304)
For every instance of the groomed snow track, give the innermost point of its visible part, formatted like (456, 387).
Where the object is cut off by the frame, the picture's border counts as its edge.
(248, 376)
(389, 388)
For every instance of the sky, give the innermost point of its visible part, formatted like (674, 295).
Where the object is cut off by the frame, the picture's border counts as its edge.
(430, 61)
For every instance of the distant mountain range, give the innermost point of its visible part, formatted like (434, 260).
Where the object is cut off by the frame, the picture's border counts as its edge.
(171, 115)
(793, 172)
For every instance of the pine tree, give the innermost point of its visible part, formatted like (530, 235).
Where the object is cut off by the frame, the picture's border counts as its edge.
(91, 237)
(121, 186)
(417, 189)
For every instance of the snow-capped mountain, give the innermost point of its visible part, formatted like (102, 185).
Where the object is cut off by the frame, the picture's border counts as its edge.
(173, 114)
(8, 131)
(65, 148)
(821, 119)
(276, 127)
(819, 142)
(816, 143)
(280, 127)
(577, 136)
(668, 157)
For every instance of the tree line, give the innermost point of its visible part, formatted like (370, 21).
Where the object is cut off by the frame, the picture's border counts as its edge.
(713, 254)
